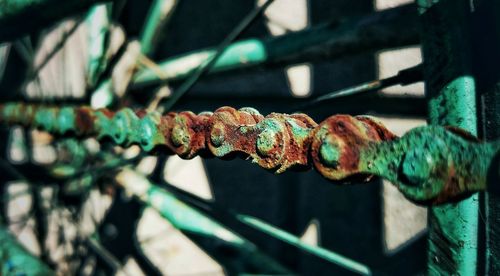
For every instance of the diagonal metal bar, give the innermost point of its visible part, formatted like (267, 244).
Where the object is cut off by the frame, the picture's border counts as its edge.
(158, 16)
(392, 28)
(16, 260)
(333, 257)
(404, 77)
(190, 220)
(207, 65)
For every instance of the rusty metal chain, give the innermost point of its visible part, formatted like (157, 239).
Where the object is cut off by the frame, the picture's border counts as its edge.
(429, 165)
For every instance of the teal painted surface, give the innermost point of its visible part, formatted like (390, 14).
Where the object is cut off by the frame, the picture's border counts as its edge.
(238, 55)
(103, 96)
(458, 222)
(315, 250)
(186, 218)
(151, 26)
(66, 120)
(453, 227)
(15, 260)
(155, 20)
(46, 119)
(98, 27)
(149, 133)
(103, 125)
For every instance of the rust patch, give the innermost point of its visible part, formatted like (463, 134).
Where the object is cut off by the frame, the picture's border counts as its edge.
(84, 119)
(278, 142)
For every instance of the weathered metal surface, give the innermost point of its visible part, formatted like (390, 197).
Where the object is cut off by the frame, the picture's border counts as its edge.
(15, 260)
(429, 165)
(188, 219)
(392, 28)
(451, 90)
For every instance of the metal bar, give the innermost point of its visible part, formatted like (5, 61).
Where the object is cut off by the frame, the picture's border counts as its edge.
(15, 260)
(41, 13)
(209, 63)
(429, 165)
(396, 27)
(159, 14)
(486, 42)
(98, 24)
(280, 234)
(404, 77)
(451, 90)
(54, 50)
(190, 220)
(93, 244)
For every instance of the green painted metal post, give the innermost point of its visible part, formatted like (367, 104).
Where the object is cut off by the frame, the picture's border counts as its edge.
(486, 39)
(15, 260)
(451, 90)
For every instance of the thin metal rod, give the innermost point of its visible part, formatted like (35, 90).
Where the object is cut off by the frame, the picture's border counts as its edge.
(205, 67)
(60, 44)
(404, 77)
(190, 220)
(104, 254)
(280, 234)
(267, 229)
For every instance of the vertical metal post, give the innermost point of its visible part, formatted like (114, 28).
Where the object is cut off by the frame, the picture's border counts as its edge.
(451, 91)
(486, 30)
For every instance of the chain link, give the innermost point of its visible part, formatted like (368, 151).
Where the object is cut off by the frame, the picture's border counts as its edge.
(429, 165)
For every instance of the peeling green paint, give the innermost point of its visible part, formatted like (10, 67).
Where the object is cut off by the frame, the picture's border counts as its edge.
(45, 119)
(123, 125)
(103, 125)
(453, 228)
(66, 120)
(429, 165)
(150, 134)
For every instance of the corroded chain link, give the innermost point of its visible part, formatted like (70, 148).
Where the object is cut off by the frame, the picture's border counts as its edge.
(428, 164)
